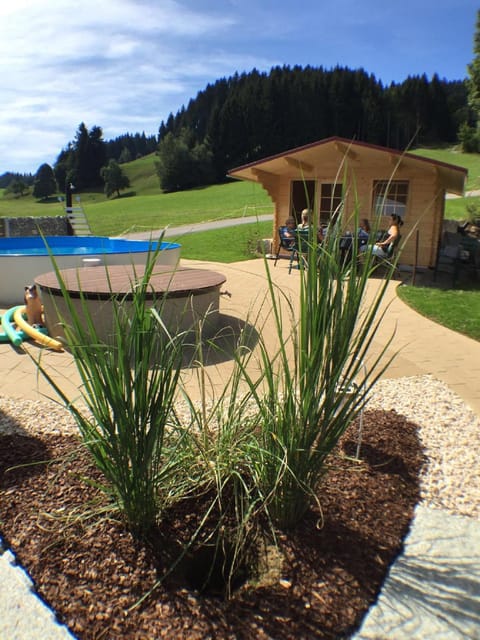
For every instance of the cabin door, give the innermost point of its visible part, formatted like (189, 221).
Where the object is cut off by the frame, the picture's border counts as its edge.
(302, 197)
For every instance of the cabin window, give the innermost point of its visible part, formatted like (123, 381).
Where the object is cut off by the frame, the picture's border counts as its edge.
(390, 197)
(330, 202)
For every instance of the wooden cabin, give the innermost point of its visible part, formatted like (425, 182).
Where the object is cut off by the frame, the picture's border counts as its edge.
(335, 172)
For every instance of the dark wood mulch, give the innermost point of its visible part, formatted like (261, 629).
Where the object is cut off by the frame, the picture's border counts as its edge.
(92, 573)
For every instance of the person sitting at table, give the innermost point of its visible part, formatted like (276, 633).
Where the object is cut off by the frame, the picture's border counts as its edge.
(305, 222)
(382, 249)
(363, 232)
(288, 231)
(289, 227)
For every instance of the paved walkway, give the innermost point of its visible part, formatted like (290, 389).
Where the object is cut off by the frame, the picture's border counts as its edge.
(423, 347)
(194, 227)
(441, 551)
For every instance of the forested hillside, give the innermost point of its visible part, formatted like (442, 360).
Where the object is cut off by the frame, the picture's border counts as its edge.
(253, 115)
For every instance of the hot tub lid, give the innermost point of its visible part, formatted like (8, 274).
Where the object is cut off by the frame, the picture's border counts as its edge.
(103, 282)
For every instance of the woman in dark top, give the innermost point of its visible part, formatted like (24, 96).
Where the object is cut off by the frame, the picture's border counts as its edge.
(383, 248)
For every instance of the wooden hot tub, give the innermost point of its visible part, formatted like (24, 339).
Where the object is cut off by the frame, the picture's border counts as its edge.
(190, 295)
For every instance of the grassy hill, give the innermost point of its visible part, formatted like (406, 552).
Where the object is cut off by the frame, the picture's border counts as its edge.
(144, 207)
(142, 175)
(456, 209)
(470, 161)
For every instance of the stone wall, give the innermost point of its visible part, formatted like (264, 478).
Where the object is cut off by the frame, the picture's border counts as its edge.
(33, 226)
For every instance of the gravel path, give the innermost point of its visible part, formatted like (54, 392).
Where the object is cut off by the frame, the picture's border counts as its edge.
(450, 434)
(448, 429)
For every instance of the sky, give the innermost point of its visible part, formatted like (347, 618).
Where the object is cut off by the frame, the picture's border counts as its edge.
(125, 65)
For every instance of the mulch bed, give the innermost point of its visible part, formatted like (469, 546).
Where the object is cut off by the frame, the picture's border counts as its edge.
(332, 566)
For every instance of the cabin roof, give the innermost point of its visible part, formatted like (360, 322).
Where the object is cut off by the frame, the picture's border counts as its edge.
(305, 161)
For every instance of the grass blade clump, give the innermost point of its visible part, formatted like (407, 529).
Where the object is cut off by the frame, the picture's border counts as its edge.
(221, 436)
(302, 403)
(129, 385)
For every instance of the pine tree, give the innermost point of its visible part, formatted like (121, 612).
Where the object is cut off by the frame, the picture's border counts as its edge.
(44, 184)
(86, 158)
(469, 130)
(473, 82)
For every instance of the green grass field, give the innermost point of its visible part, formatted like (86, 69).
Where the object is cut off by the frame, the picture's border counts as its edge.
(142, 213)
(458, 309)
(456, 208)
(144, 207)
(229, 244)
(470, 161)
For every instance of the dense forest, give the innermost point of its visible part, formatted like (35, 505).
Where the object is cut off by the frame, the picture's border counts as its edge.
(252, 115)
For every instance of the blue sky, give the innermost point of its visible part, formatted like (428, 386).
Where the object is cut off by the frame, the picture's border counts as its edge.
(125, 65)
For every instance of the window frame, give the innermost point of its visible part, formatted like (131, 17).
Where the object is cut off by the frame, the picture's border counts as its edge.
(334, 201)
(390, 197)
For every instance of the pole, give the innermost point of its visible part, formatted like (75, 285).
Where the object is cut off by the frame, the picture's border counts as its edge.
(414, 274)
(69, 207)
(68, 197)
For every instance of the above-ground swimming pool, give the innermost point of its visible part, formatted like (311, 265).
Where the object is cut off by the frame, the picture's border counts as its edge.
(22, 259)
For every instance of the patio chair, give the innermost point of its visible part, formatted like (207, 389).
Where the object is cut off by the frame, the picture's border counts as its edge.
(300, 249)
(285, 243)
(457, 254)
(447, 261)
(389, 259)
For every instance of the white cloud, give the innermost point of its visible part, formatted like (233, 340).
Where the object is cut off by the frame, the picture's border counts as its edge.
(121, 64)
(125, 65)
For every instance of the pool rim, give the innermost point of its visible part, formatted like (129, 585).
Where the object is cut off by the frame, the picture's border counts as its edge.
(49, 246)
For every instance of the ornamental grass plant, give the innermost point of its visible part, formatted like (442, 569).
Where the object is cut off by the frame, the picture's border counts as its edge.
(304, 398)
(128, 388)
